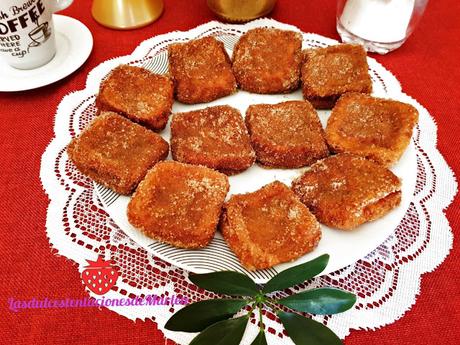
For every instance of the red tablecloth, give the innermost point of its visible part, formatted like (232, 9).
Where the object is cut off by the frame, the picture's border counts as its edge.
(428, 68)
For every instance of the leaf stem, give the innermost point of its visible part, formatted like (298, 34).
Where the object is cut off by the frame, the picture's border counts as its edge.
(261, 321)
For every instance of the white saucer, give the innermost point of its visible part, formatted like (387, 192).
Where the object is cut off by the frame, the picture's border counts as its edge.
(74, 43)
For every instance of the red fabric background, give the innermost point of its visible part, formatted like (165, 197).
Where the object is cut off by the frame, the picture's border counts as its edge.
(427, 66)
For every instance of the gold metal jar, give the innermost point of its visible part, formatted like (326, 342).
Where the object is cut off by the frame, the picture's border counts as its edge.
(126, 14)
(239, 11)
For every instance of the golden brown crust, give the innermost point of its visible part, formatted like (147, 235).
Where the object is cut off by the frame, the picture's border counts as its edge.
(268, 60)
(268, 227)
(116, 152)
(375, 128)
(201, 70)
(329, 72)
(287, 134)
(138, 94)
(215, 137)
(179, 204)
(345, 191)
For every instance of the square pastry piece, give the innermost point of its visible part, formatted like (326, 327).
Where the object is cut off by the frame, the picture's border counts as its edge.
(286, 135)
(268, 60)
(137, 94)
(201, 70)
(116, 152)
(375, 128)
(215, 137)
(327, 73)
(345, 191)
(179, 204)
(269, 226)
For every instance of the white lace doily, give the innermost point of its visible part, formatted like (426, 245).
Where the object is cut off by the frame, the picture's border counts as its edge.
(387, 281)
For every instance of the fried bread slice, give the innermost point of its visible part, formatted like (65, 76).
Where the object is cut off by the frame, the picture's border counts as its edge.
(201, 70)
(267, 60)
(215, 137)
(286, 135)
(179, 204)
(116, 152)
(345, 191)
(376, 128)
(138, 94)
(329, 72)
(268, 227)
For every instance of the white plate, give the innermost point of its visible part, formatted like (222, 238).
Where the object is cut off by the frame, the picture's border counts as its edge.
(344, 247)
(74, 43)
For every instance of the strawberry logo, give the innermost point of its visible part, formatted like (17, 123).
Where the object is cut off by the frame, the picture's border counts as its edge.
(99, 276)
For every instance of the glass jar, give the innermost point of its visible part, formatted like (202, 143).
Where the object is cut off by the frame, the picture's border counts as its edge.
(379, 25)
(239, 11)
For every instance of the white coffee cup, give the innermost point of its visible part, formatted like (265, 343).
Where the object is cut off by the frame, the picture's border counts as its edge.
(27, 38)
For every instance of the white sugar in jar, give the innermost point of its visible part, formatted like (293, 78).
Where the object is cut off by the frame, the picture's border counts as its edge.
(380, 25)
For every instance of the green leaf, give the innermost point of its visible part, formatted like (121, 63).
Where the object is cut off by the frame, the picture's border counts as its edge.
(322, 301)
(197, 316)
(260, 339)
(304, 331)
(226, 282)
(227, 332)
(297, 274)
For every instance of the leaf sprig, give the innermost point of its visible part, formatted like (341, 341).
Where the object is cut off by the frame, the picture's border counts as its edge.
(213, 318)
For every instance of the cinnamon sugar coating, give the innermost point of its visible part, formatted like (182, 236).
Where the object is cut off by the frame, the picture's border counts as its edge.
(116, 152)
(376, 128)
(329, 72)
(287, 134)
(179, 204)
(215, 137)
(268, 227)
(345, 191)
(267, 61)
(201, 70)
(138, 94)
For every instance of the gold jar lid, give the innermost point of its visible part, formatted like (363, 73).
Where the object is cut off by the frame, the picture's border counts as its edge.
(126, 14)
(240, 11)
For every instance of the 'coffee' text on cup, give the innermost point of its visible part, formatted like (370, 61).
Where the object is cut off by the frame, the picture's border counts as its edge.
(22, 21)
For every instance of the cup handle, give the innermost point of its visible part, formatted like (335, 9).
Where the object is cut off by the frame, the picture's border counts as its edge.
(59, 5)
